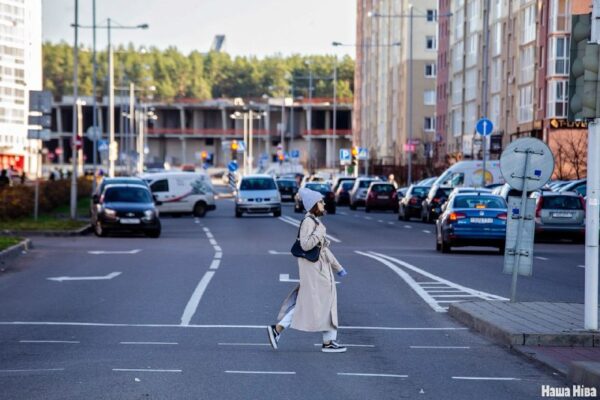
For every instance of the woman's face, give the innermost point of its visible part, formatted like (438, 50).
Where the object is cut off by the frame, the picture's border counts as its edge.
(321, 206)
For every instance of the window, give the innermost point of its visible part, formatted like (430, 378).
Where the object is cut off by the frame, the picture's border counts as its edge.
(559, 16)
(430, 43)
(558, 99)
(526, 104)
(429, 124)
(457, 91)
(497, 45)
(558, 62)
(496, 81)
(470, 117)
(431, 15)
(472, 50)
(429, 97)
(456, 123)
(495, 110)
(458, 26)
(526, 62)
(160, 186)
(471, 84)
(457, 56)
(473, 16)
(528, 25)
(430, 70)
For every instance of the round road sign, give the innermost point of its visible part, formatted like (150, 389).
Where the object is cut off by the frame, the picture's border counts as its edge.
(540, 164)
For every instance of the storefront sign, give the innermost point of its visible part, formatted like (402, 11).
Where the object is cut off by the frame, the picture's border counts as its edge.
(565, 124)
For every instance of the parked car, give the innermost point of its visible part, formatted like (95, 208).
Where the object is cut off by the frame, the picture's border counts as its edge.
(342, 194)
(472, 219)
(182, 192)
(401, 192)
(410, 205)
(381, 196)
(337, 182)
(325, 190)
(133, 180)
(579, 186)
(427, 181)
(257, 194)
(126, 207)
(560, 215)
(358, 194)
(432, 204)
(469, 173)
(287, 189)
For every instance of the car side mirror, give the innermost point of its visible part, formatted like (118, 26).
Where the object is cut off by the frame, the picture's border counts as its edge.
(95, 199)
(156, 201)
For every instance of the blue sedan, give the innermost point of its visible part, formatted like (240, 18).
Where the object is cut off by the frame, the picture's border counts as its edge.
(472, 220)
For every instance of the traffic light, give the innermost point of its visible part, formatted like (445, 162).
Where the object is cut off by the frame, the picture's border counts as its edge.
(204, 155)
(234, 148)
(354, 153)
(583, 77)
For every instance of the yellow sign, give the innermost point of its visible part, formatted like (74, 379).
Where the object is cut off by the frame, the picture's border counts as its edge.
(565, 124)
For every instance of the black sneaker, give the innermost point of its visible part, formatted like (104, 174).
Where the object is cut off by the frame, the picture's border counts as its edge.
(273, 336)
(333, 347)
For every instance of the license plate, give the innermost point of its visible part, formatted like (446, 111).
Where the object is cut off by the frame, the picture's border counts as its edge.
(481, 220)
(130, 221)
(382, 197)
(562, 215)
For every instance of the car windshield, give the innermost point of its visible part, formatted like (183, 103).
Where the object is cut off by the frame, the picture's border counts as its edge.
(479, 202)
(364, 184)
(347, 185)
(443, 192)
(562, 203)
(127, 195)
(319, 187)
(420, 191)
(258, 184)
(287, 184)
(383, 188)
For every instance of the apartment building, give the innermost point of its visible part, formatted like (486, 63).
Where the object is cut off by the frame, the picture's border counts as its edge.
(20, 71)
(395, 95)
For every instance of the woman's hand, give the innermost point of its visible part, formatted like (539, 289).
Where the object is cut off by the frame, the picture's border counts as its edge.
(342, 272)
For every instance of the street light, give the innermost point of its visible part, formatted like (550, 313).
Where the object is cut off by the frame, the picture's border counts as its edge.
(248, 117)
(111, 82)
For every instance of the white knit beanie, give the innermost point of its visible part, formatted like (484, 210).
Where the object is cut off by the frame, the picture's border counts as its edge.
(309, 198)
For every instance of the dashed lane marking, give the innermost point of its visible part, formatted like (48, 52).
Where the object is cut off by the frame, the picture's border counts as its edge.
(441, 347)
(279, 253)
(581, 266)
(262, 372)
(380, 221)
(426, 231)
(151, 343)
(243, 344)
(351, 345)
(144, 370)
(192, 305)
(218, 255)
(215, 264)
(99, 252)
(32, 370)
(484, 378)
(371, 375)
(542, 258)
(51, 341)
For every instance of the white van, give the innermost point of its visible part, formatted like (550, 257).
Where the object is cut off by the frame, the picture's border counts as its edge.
(182, 192)
(469, 173)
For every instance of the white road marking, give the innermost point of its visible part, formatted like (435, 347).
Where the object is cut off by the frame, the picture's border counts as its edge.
(542, 258)
(423, 288)
(209, 235)
(380, 220)
(286, 278)
(408, 226)
(190, 308)
(484, 378)
(371, 375)
(273, 252)
(151, 343)
(97, 252)
(390, 223)
(205, 229)
(243, 344)
(196, 220)
(296, 223)
(218, 254)
(217, 249)
(144, 370)
(342, 213)
(262, 372)
(215, 264)
(426, 231)
(32, 370)
(581, 266)
(85, 278)
(50, 341)
(351, 345)
(179, 326)
(213, 242)
(441, 347)
(369, 218)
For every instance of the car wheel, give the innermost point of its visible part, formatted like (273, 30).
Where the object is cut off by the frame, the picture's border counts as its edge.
(445, 246)
(238, 213)
(153, 234)
(367, 209)
(277, 213)
(396, 210)
(99, 230)
(405, 216)
(423, 217)
(352, 206)
(199, 209)
(501, 249)
(438, 246)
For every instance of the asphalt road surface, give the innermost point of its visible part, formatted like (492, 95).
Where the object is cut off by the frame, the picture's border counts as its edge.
(184, 316)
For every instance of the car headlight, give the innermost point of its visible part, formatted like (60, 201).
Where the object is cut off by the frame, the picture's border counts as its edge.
(240, 200)
(149, 214)
(110, 213)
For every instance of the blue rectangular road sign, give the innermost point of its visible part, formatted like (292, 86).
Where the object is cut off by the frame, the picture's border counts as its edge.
(363, 153)
(344, 156)
(295, 154)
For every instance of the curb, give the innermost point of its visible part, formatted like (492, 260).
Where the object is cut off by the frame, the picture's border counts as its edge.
(585, 373)
(15, 251)
(77, 232)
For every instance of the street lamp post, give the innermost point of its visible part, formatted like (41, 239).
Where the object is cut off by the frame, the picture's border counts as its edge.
(75, 98)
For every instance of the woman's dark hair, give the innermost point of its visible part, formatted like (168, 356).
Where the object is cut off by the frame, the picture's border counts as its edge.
(315, 211)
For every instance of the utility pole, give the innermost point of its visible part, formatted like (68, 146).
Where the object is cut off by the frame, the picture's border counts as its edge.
(250, 139)
(94, 101)
(131, 124)
(484, 86)
(410, 93)
(75, 98)
(334, 108)
(111, 104)
(309, 119)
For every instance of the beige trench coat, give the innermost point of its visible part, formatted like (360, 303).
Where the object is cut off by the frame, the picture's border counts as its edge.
(315, 298)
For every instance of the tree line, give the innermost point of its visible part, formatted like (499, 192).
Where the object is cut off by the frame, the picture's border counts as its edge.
(197, 75)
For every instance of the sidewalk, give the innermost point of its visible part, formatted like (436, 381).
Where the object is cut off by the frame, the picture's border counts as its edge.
(549, 334)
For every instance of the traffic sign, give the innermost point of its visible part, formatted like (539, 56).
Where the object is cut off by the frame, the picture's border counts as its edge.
(38, 134)
(527, 164)
(484, 127)
(345, 156)
(295, 153)
(102, 145)
(241, 146)
(40, 100)
(363, 153)
(93, 134)
(232, 166)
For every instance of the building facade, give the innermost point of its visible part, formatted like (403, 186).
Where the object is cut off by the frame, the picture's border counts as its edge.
(20, 71)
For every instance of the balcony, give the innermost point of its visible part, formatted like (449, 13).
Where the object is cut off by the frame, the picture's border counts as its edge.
(203, 133)
(327, 132)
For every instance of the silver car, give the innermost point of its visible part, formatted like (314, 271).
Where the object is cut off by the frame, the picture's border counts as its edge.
(560, 215)
(257, 194)
(358, 193)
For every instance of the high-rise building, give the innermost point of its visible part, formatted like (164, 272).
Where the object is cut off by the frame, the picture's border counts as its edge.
(396, 67)
(20, 71)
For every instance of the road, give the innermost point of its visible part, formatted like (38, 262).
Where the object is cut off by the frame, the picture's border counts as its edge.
(183, 316)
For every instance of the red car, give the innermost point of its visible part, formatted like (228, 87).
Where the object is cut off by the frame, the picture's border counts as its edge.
(381, 196)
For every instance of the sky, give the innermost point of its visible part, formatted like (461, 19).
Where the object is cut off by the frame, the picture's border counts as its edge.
(253, 27)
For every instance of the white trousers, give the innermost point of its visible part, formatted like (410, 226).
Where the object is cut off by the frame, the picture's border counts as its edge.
(287, 321)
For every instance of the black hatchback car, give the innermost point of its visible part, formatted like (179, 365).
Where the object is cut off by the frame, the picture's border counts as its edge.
(411, 204)
(287, 189)
(325, 190)
(125, 208)
(432, 205)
